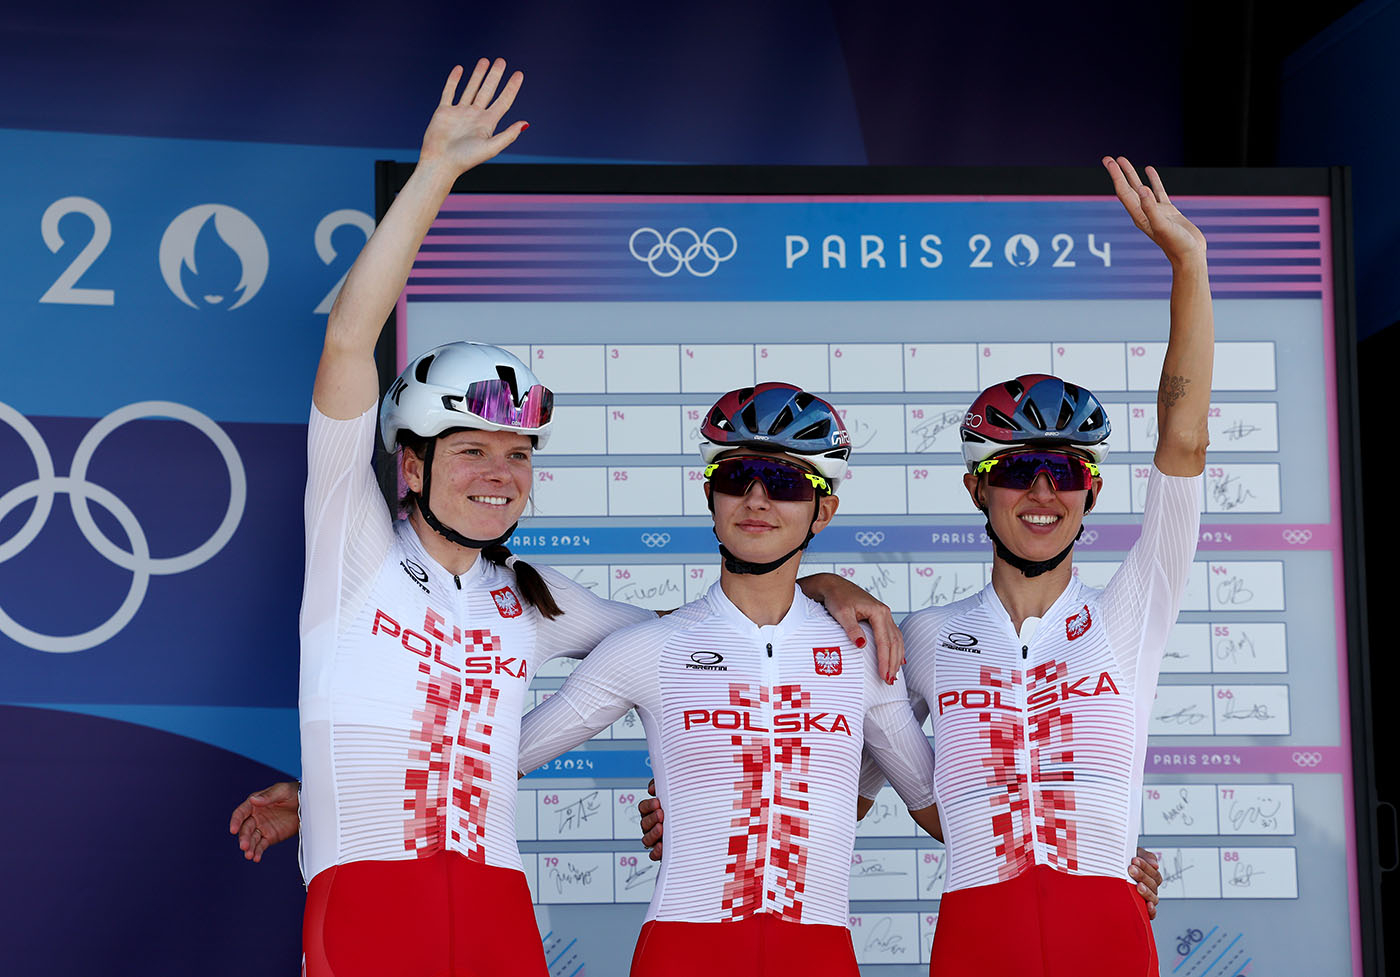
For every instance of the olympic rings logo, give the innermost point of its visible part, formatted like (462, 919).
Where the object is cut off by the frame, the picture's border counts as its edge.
(870, 539)
(80, 492)
(680, 249)
(1297, 537)
(655, 540)
(1309, 759)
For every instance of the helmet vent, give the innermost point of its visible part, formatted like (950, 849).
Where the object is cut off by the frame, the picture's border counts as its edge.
(749, 415)
(420, 372)
(783, 419)
(814, 432)
(803, 400)
(1066, 414)
(1014, 388)
(1036, 417)
(1094, 420)
(719, 421)
(507, 373)
(999, 419)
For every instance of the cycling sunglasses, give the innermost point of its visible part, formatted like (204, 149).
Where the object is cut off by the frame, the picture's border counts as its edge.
(782, 480)
(1067, 472)
(494, 401)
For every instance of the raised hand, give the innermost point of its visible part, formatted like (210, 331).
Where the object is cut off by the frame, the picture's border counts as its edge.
(1154, 213)
(265, 818)
(462, 132)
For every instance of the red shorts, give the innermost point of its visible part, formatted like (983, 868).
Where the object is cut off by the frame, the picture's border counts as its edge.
(1044, 923)
(759, 946)
(440, 916)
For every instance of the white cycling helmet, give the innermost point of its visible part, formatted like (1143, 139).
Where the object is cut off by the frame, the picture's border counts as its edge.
(469, 385)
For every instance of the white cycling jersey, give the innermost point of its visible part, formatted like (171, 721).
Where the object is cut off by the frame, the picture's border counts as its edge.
(1041, 736)
(755, 736)
(412, 679)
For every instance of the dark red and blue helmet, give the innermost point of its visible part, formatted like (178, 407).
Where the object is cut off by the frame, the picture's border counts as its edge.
(778, 417)
(1034, 410)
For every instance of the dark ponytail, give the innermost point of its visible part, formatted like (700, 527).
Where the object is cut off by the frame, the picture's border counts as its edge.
(533, 590)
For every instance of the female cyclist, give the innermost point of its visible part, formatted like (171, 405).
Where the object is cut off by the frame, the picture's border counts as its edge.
(1040, 687)
(420, 636)
(755, 705)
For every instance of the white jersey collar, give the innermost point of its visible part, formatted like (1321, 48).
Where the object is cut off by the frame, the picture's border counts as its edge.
(1070, 595)
(792, 620)
(469, 577)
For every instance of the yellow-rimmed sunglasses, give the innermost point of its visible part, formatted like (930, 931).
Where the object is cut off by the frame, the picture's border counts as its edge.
(1067, 472)
(782, 480)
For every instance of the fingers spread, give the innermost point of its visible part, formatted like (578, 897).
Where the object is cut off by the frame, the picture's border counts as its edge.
(474, 82)
(488, 86)
(449, 88)
(502, 105)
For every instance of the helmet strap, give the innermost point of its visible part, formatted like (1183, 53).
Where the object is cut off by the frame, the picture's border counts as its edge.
(447, 532)
(1031, 568)
(735, 565)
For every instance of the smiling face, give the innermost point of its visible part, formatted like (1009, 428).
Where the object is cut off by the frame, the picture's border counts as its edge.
(1035, 523)
(758, 529)
(480, 481)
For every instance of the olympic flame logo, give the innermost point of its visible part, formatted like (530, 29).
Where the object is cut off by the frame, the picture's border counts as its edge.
(80, 492)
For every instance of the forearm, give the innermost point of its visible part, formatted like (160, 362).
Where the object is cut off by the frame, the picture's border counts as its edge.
(346, 381)
(1183, 396)
(927, 818)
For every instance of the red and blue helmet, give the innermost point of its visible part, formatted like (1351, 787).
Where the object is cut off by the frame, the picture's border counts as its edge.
(778, 417)
(1034, 410)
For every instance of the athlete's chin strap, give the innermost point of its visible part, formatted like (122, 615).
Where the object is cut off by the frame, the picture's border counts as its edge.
(735, 565)
(1031, 568)
(447, 532)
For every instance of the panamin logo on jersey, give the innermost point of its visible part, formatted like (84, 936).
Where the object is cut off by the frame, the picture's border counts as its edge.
(991, 698)
(429, 645)
(783, 722)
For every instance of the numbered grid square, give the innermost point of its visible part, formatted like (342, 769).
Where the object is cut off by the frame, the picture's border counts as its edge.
(807, 366)
(1145, 365)
(715, 368)
(875, 427)
(881, 874)
(888, 582)
(932, 428)
(1246, 586)
(569, 369)
(1188, 648)
(570, 492)
(577, 430)
(525, 815)
(644, 491)
(1182, 710)
(1244, 366)
(885, 937)
(640, 429)
(575, 877)
(933, 872)
(1179, 809)
(874, 490)
(941, 368)
(1257, 647)
(627, 820)
(1251, 710)
(1097, 366)
(655, 586)
(1259, 873)
(1189, 873)
(1256, 809)
(1002, 361)
(699, 577)
(937, 490)
(634, 877)
(1242, 488)
(1244, 427)
(937, 584)
(693, 501)
(569, 814)
(867, 366)
(643, 369)
(888, 817)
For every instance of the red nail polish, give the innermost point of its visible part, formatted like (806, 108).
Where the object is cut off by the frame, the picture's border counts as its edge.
(860, 642)
(524, 126)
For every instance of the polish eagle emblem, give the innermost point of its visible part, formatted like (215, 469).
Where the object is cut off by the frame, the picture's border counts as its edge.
(506, 602)
(827, 660)
(1077, 625)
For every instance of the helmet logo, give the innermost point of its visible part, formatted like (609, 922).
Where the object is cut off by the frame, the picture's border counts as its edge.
(840, 437)
(973, 420)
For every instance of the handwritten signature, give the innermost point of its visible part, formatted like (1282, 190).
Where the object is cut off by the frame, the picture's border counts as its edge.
(566, 878)
(638, 874)
(1180, 809)
(633, 592)
(1232, 590)
(1185, 716)
(1263, 812)
(1230, 649)
(1228, 494)
(574, 815)
(927, 431)
(1257, 711)
(1239, 430)
(1176, 869)
(1243, 875)
(884, 941)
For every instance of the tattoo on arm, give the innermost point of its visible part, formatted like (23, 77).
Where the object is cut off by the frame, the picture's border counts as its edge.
(1172, 389)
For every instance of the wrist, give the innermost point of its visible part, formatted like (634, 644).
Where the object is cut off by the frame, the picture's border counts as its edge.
(1191, 264)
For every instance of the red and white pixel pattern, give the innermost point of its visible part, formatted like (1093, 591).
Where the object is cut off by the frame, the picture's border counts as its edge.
(791, 829)
(457, 712)
(748, 844)
(1010, 799)
(1052, 742)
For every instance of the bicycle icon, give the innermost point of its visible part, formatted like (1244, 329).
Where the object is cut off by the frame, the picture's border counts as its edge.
(1187, 940)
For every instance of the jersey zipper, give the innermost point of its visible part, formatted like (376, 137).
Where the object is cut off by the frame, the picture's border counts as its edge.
(769, 670)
